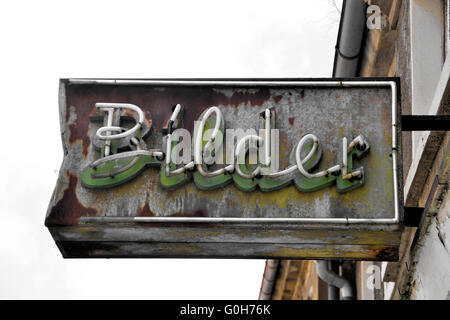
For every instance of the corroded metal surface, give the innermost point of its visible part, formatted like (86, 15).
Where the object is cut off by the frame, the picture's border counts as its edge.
(329, 113)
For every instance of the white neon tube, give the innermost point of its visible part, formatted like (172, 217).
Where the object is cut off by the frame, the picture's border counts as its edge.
(106, 106)
(313, 150)
(168, 149)
(182, 169)
(240, 145)
(109, 124)
(267, 140)
(359, 140)
(126, 155)
(198, 138)
(291, 169)
(344, 156)
(198, 143)
(175, 112)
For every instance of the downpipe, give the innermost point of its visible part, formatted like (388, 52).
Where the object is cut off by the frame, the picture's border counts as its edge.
(333, 279)
(269, 278)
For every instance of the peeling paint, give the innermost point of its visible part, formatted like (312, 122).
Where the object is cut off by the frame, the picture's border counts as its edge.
(330, 113)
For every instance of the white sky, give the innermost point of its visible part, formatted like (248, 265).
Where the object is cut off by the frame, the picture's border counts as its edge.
(42, 41)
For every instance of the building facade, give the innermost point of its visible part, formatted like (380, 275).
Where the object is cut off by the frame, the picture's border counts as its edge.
(408, 39)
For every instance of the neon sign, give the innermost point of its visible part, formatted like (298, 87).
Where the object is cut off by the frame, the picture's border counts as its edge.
(152, 178)
(250, 161)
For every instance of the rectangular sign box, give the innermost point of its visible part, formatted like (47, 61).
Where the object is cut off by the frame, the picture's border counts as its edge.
(221, 168)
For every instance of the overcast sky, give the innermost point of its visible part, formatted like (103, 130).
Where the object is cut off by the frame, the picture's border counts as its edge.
(42, 41)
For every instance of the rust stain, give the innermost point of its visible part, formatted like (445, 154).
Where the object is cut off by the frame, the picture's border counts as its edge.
(353, 253)
(388, 254)
(69, 209)
(79, 129)
(155, 103)
(131, 114)
(159, 102)
(255, 99)
(277, 98)
(145, 211)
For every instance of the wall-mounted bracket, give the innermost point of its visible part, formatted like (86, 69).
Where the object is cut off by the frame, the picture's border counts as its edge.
(425, 123)
(413, 216)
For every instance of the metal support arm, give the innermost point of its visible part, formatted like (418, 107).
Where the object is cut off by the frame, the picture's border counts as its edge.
(425, 123)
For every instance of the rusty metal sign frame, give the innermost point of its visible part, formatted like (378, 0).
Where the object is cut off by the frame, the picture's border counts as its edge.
(198, 231)
(317, 83)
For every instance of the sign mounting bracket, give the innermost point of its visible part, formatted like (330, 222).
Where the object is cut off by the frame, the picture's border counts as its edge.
(425, 122)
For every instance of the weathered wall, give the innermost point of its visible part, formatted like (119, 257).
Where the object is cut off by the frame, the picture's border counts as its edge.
(426, 272)
(387, 52)
(432, 275)
(428, 265)
(423, 271)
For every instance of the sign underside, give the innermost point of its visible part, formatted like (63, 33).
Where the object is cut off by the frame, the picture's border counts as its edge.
(146, 216)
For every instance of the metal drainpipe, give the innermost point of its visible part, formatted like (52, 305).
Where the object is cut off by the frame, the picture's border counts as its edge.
(333, 279)
(268, 281)
(333, 292)
(350, 38)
